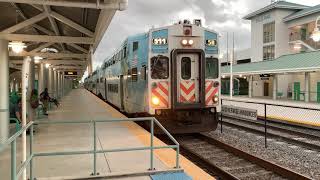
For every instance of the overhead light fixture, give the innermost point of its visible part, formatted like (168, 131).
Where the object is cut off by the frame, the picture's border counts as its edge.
(316, 35)
(316, 32)
(37, 59)
(48, 65)
(17, 46)
(240, 75)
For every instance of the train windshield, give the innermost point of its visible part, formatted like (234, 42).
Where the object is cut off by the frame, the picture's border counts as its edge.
(159, 67)
(212, 68)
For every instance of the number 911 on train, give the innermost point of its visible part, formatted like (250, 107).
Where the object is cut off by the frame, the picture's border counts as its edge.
(171, 73)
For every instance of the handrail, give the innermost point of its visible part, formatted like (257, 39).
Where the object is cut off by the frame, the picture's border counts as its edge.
(12, 140)
(270, 104)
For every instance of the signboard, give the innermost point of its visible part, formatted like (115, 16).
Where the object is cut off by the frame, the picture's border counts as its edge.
(70, 73)
(265, 76)
(239, 112)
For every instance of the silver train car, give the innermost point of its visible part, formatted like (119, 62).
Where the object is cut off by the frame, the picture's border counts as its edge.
(171, 73)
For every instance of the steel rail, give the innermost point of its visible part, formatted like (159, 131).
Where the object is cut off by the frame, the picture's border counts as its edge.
(273, 135)
(285, 172)
(209, 165)
(259, 123)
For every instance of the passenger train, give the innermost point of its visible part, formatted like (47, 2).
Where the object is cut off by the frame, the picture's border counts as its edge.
(171, 73)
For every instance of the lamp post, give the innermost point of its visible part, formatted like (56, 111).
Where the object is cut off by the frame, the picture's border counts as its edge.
(316, 32)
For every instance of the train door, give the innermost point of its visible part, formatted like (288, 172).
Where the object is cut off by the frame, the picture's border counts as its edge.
(187, 78)
(121, 93)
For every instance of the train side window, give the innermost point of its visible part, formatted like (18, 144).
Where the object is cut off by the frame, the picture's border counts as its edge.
(143, 72)
(185, 68)
(134, 74)
(135, 46)
(159, 67)
(212, 68)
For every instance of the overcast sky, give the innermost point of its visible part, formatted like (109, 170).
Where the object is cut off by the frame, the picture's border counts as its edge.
(219, 15)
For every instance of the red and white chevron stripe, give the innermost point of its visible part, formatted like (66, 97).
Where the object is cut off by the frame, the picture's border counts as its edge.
(187, 92)
(161, 91)
(210, 92)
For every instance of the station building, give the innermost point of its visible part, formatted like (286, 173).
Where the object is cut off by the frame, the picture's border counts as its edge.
(283, 61)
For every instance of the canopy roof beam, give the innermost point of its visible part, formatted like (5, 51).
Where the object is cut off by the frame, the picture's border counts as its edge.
(50, 55)
(46, 38)
(71, 23)
(25, 23)
(53, 24)
(76, 4)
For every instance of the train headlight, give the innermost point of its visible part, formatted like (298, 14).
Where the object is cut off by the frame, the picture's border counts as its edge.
(215, 99)
(155, 101)
(190, 42)
(184, 42)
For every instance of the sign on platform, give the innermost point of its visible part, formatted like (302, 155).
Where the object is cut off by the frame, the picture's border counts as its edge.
(239, 112)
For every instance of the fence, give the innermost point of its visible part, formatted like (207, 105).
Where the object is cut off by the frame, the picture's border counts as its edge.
(305, 116)
(13, 142)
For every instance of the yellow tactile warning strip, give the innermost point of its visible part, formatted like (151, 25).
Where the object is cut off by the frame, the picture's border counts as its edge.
(167, 156)
(295, 121)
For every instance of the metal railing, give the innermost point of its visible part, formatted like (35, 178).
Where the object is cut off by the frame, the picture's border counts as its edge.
(266, 107)
(29, 161)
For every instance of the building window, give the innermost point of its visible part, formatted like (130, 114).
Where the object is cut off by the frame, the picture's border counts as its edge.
(268, 32)
(268, 52)
(135, 46)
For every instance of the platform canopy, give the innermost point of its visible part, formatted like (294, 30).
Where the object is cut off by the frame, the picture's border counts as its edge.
(292, 63)
(63, 32)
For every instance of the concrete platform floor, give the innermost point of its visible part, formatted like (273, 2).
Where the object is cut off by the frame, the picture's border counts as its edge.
(79, 105)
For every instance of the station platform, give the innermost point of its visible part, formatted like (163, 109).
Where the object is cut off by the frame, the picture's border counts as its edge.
(296, 112)
(81, 105)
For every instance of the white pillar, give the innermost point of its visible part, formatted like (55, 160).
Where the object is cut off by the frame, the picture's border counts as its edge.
(25, 84)
(250, 86)
(4, 90)
(59, 85)
(63, 85)
(307, 86)
(55, 83)
(41, 78)
(275, 86)
(16, 86)
(50, 82)
(31, 111)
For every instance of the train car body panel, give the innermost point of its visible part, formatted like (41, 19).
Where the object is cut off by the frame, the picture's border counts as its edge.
(171, 73)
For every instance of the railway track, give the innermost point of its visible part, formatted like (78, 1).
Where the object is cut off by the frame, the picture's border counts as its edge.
(226, 162)
(292, 135)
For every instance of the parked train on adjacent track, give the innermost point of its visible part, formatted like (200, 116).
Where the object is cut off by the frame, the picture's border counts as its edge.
(171, 73)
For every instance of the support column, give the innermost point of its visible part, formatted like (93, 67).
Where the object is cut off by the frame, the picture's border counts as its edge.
(41, 80)
(250, 86)
(275, 86)
(55, 84)
(50, 81)
(307, 86)
(59, 85)
(63, 83)
(4, 90)
(31, 111)
(25, 84)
